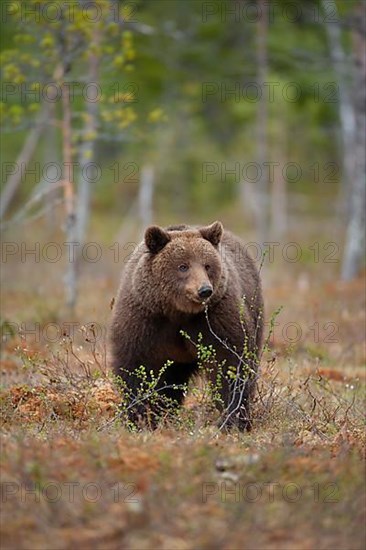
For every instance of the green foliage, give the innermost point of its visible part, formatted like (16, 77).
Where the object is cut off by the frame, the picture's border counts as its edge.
(51, 49)
(155, 65)
(148, 392)
(271, 323)
(212, 374)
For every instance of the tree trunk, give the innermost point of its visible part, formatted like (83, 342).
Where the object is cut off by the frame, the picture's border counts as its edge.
(355, 235)
(278, 202)
(262, 123)
(346, 108)
(146, 192)
(24, 157)
(50, 154)
(86, 151)
(69, 195)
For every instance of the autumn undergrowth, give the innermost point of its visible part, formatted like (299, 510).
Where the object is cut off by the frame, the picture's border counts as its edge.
(75, 472)
(73, 384)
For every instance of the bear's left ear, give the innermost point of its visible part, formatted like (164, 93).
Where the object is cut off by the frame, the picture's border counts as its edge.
(156, 238)
(212, 233)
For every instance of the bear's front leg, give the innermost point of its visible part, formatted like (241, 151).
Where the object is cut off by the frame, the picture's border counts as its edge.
(236, 393)
(137, 405)
(151, 397)
(237, 382)
(233, 336)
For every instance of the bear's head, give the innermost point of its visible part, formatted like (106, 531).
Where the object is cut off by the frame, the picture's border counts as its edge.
(185, 265)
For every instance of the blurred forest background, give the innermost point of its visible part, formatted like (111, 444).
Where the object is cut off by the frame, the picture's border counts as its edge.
(116, 114)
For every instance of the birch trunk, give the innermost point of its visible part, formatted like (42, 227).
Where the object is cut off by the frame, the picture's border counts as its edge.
(23, 159)
(345, 76)
(146, 192)
(69, 196)
(262, 124)
(86, 151)
(355, 235)
(50, 155)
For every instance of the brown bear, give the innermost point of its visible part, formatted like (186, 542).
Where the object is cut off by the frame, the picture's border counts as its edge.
(199, 281)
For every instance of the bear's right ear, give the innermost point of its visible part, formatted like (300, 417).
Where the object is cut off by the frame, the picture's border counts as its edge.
(156, 238)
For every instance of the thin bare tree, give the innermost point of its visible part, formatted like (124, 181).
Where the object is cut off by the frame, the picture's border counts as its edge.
(87, 148)
(262, 123)
(146, 192)
(22, 161)
(69, 193)
(344, 70)
(356, 228)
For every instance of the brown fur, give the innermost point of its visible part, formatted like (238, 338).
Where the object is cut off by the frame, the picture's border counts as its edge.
(158, 298)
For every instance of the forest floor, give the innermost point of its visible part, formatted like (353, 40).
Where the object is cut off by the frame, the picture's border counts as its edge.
(73, 476)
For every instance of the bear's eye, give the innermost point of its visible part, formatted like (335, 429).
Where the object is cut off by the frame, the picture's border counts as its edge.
(183, 267)
(207, 267)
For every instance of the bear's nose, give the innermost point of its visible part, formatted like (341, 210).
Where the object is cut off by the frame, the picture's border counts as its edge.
(205, 291)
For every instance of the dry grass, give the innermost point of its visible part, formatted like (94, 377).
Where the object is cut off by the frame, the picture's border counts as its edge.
(73, 476)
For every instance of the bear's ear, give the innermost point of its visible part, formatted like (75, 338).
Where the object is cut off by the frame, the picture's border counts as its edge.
(212, 233)
(156, 238)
